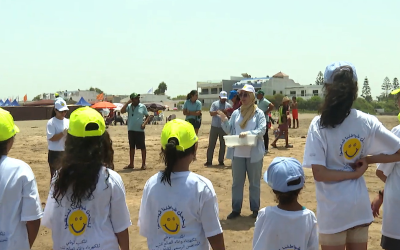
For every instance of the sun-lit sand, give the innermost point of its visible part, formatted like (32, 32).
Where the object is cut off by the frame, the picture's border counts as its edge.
(31, 147)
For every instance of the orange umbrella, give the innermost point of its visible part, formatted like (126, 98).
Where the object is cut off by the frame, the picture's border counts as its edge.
(104, 105)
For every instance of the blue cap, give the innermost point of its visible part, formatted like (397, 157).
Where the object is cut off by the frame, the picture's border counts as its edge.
(332, 69)
(232, 94)
(283, 170)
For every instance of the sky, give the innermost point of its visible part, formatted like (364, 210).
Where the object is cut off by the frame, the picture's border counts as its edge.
(126, 46)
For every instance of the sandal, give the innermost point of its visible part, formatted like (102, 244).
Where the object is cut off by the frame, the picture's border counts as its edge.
(274, 146)
(128, 167)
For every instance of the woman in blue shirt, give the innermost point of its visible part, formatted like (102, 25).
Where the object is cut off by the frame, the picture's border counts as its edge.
(192, 111)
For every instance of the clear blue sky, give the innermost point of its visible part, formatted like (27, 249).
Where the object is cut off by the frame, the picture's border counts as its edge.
(126, 46)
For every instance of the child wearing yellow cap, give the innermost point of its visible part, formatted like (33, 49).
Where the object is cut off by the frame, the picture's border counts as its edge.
(20, 208)
(86, 207)
(179, 209)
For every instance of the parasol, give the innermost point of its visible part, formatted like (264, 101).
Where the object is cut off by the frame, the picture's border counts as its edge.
(104, 105)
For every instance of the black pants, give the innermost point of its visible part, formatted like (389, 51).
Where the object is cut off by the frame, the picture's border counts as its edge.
(266, 139)
(390, 243)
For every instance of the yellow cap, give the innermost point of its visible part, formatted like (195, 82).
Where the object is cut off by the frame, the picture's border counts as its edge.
(394, 92)
(81, 117)
(7, 127)
(398, 117)
(182, 131)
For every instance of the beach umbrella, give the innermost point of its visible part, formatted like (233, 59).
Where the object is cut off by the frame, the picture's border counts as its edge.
(104, 105)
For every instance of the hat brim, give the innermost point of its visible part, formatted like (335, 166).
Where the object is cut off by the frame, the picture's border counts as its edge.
(16, 129)
(224, 97)
(395, 92)
(65, 108)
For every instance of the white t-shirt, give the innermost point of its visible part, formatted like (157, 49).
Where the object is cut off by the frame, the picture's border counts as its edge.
(181, 216)
(56, 126)
(391, 202)
(244, 151)
(94, 224)
(279, 229)
(19, 203)
(345, 204)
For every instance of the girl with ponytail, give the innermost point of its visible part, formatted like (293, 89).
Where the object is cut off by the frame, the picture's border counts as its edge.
(340, 145)
(179, 209)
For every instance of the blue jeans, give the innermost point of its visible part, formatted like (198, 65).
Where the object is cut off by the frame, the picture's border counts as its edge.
(241, 166)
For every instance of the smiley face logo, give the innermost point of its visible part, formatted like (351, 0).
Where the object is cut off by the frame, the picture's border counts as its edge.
(351, 148)
(77, 222)
(170, 222)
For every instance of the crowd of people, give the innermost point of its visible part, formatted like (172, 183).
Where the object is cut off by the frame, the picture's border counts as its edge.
(86, 206)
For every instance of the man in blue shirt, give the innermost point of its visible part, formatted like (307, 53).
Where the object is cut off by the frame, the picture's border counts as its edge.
(266, 106)
(136, 112)
(216, 131)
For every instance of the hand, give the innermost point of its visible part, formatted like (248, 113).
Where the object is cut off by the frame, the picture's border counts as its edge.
(243, 134)
(143, 126)
(361, 166)
(376, 205)
(221, 115)
(65, 132)
(129, 101)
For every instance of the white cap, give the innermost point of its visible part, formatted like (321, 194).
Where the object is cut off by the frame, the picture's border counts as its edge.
(223, 95)
(61, 105)
(248, 88)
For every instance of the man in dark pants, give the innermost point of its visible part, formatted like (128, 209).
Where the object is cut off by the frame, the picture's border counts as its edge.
(136, 112)
(216, 131)
(266, 106)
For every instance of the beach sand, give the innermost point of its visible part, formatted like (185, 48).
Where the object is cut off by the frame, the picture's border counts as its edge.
(31, 147)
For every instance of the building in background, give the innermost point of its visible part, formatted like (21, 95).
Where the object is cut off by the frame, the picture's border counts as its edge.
(89, 96)
(209, 90)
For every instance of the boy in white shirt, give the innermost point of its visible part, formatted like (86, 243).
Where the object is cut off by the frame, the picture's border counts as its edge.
(20, 207)
(288, 225)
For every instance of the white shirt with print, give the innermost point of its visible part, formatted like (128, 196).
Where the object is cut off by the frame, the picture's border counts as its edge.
(391, 202)
(94, 224)
(280, 229)
(19, 203)
(181, 216)
(345, 204)
(56, 126)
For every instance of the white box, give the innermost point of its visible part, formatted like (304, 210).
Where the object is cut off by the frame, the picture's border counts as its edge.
(234, 140)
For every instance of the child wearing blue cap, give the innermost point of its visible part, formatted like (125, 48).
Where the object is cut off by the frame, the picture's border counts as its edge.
(288, 225)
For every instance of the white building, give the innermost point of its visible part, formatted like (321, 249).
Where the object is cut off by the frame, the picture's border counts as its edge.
(209, 90)
(76, 95)
(152, 98)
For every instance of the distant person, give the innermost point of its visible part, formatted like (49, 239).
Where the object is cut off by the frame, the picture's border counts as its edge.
(295, 112)
(247, 120)
(340, 145)
(86, 206)
(216, 131)
(266, 106)
(20, 208)
(192, 111)
(235, 99)
(283, 123)
(136, 125)
(289, 223)
(179, 208)
(118, 119)
(57, 128)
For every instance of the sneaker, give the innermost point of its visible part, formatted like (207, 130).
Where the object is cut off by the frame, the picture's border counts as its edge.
(207, 164)
(221, 164)
(233, 215)
(255, 214)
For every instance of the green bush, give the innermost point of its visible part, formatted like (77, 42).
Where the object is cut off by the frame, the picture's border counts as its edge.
(363, 105)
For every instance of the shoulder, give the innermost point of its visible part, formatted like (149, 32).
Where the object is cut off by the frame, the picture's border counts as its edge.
(315, 123)
(19, 166)
(236, 112)
(198, 102)
(50, 122)
(203, 183)
(259, 112)
(141, 105)
(396, 130)
(310, 214)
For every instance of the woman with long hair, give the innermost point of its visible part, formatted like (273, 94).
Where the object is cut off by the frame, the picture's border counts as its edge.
(86, 207)
(179, 209)
(57, 128)
(192, 110)
(20, 208)
(247, 120)
(341, 142)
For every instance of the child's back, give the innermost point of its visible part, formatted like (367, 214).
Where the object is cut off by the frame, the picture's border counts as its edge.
(277, 229)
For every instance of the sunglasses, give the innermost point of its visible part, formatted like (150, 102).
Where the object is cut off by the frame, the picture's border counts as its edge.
(245, 95)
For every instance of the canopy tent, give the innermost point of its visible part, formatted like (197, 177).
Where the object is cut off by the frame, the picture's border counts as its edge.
(7, 103)
(1, 103)
(83, 102)
(14, 103)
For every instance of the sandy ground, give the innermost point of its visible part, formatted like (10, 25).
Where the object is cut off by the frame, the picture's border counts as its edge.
(31, 146)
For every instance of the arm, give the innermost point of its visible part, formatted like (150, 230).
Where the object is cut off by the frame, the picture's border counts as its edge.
(213, 110)
(383, 158)
(381, 175)
(58, 136)
(123, 110)
(261, 125)
(313, 243)
(33, 229)
(217, 242)
(51, 133)
(322, 174)
(270, 108)
(123, 239)
(228, 125)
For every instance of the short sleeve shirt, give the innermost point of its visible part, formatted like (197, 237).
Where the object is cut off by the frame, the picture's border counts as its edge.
(135, 116)
(192, 106)
(217, 105)
(263, 104)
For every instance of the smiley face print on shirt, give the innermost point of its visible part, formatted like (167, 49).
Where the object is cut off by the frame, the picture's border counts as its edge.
(351, 147)
(170, 220)
(77, 221)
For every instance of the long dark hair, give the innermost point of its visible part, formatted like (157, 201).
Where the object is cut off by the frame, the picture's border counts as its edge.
(170, 155)
(80, 167)
(339, 97)
(3, 146)
(191, 94)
